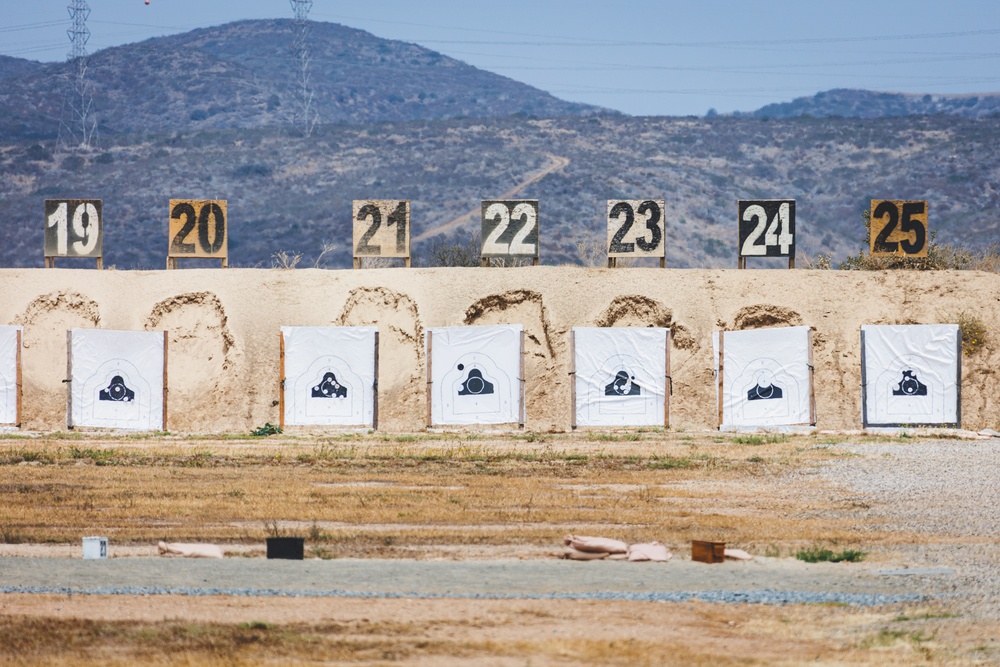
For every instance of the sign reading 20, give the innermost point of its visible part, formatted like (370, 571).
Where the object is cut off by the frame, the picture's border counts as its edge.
(198, 228)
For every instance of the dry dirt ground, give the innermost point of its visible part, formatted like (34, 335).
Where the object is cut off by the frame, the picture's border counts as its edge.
(464, 498)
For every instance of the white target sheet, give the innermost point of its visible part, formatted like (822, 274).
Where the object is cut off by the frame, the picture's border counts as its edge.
(620, 376)
(117, 379)
(910, 374)
(475, 374)
(330, 376)
(8, 374)
(766, 377)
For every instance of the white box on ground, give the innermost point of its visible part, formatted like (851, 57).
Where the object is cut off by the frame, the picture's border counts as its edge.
(95, 548)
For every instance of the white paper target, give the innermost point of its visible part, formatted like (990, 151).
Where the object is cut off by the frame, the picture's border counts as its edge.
(8, 374)
(117, 379)
(620, 376)
(475, 374)
(329, 376)
(765, 377)
(910, 374)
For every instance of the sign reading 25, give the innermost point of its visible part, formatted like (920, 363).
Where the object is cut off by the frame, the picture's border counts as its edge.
(898, 228)
(767, 228)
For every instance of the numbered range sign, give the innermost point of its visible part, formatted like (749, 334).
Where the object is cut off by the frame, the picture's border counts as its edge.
(510, 230)
(898, 228)
(73, 228)
(636, 229)
(381, 229)
(767, 229)
(198, 228)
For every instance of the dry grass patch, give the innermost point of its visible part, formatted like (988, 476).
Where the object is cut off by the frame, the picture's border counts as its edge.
(171, 630)
(358, 493)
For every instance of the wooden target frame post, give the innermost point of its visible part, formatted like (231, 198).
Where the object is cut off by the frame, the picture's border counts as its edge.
(194, 230)
(166, 379)
(18, 383)
(637, 228)
(381, 229)
(812, 381)
(72, 232)
(510, 231)
(430, 378)
(766, 228)
(668, 385)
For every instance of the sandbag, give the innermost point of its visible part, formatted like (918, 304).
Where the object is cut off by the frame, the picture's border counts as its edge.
(651, 551)
(190, 550)
(604, 545)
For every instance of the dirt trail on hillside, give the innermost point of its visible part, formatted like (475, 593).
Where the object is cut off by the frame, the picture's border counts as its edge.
(556, 163)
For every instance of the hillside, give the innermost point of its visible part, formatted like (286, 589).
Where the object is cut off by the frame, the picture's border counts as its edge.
(11, 67)
(243, 74)
(847, 103)
(294, 194)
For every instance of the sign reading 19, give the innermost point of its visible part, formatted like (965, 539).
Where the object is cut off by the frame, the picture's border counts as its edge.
(73, 228)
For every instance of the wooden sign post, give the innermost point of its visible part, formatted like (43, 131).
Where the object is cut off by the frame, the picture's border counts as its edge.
(766, 229)
(636, 229)
(381, 229)
(74, 228)
(198, 228)
(510, 231)
(898, 228)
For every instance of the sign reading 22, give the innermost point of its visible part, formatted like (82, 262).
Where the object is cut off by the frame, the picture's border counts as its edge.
(767, 228)
(501, 238)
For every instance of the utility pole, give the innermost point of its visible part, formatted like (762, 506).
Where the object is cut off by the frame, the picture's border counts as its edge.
(306, 114)
(83, 122)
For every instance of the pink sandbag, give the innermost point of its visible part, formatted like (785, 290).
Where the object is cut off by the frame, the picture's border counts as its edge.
(190, 550)
(737, 554)
(595, 544)
(652, 551)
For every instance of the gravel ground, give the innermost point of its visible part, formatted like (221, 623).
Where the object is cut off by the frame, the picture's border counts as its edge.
(947, 491)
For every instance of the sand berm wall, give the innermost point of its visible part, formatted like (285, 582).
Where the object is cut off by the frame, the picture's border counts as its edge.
(223, 329)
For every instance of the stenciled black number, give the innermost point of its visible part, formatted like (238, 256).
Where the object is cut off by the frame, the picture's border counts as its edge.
(369, 211)
(882, 244)
(616, 240)
(186, 211)
(398, 218)
(652, 224)
(214, 210)
(908, 225)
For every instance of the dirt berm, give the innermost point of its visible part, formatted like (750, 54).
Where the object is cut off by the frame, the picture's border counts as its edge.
(224, 324)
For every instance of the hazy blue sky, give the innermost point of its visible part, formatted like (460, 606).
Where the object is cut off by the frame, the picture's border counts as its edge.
(640, 57)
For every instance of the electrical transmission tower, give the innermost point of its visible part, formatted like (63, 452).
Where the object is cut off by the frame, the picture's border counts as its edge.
(83, 122)
(306, 115)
